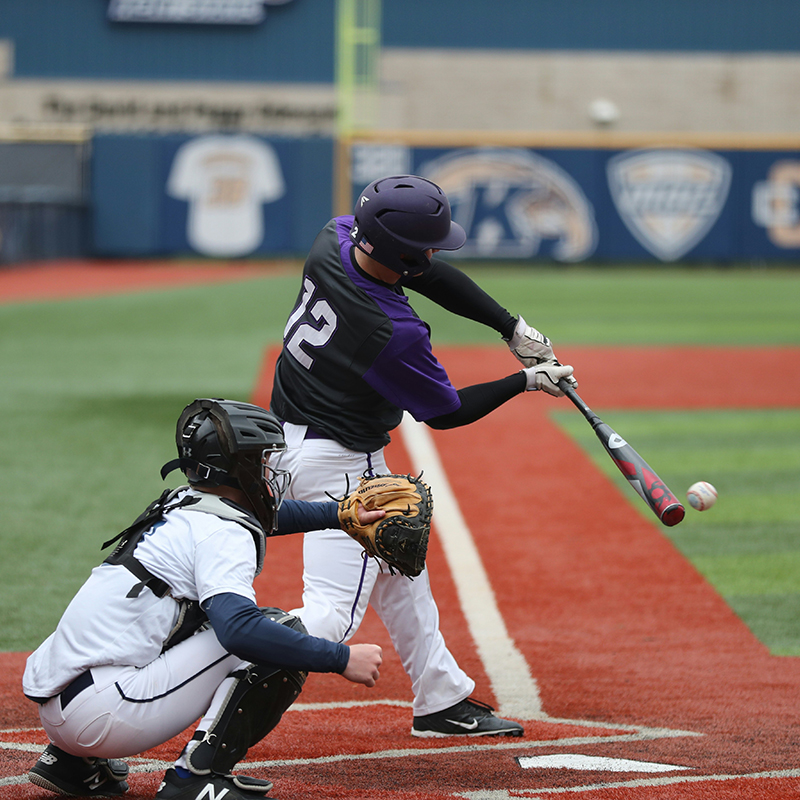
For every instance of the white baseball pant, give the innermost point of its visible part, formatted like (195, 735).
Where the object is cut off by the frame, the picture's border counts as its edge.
(128, 710)
(339, 583)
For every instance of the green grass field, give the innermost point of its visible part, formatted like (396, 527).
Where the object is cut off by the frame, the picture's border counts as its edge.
(748, 544)
(91, 389)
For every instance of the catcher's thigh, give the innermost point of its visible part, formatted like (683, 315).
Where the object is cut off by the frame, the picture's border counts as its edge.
(128, 709)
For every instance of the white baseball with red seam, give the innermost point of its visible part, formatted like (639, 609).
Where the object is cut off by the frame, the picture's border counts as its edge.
(701, 495)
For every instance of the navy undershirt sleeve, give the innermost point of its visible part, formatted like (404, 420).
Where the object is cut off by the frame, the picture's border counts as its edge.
(244, 631)
(299, 516)
(478, 400)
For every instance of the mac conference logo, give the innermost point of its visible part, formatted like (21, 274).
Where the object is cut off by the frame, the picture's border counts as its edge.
(515, 204)
(669, 199)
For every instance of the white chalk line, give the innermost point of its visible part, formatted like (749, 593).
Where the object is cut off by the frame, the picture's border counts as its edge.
(534, 794)
(514, 686)
(146, 765)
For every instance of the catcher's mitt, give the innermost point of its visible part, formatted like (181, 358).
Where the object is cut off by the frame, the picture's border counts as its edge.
(401, 537)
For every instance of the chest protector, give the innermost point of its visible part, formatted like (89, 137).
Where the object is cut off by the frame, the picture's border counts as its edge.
(190, 616)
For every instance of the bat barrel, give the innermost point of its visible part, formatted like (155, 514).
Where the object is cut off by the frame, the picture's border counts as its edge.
(673, 514)
(639, 473)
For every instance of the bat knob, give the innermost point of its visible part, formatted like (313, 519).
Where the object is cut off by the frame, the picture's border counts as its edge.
(673, 514)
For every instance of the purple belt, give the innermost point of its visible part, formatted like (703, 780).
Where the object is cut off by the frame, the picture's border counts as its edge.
(312, 434)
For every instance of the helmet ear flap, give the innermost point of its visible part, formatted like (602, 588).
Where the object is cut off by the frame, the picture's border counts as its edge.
(187, 426)
(204, 443)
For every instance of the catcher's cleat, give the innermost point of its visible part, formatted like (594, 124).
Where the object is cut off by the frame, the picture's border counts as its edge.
(197, 787)
(74, 776)
(467, 718)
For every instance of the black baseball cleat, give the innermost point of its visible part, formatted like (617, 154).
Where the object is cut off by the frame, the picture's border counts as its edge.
(201, 787)
(467, 718)
(74, 776)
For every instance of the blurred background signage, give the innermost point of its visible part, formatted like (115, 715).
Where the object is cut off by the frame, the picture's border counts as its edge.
(210, 12)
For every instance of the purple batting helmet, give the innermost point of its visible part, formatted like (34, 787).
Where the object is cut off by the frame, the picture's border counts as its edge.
(399, 218)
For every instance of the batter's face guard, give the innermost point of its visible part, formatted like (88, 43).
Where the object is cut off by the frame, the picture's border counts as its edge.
(398, 219)
(227, 443)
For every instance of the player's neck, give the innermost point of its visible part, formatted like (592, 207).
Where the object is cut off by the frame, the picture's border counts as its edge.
(375, 268)
(228, 492)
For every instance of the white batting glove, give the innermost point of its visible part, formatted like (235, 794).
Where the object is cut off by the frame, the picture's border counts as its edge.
(529, 346)
(545, 378)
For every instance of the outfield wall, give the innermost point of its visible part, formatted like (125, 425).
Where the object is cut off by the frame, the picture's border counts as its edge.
(568, 198)
(604, 196)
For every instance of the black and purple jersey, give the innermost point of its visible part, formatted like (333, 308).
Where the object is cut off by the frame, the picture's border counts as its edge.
(356, 355)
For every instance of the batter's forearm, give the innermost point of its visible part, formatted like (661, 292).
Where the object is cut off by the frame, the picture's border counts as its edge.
(479, 400)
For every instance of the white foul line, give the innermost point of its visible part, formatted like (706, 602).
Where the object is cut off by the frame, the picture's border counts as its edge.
(514, 687)
(605, 786)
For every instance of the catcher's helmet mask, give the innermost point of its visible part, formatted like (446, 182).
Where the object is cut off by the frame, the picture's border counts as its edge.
(398, 219)
(227, 443)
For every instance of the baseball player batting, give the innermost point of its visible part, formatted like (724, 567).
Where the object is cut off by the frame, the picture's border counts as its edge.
(355, 357)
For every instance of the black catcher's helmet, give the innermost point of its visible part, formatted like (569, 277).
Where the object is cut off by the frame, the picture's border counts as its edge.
(227, 443)
(399, 218)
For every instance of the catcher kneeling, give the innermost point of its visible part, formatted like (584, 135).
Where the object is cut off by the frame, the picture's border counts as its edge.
(166, 630)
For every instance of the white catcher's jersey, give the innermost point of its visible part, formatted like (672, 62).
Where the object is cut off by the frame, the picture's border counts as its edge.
(198, 554)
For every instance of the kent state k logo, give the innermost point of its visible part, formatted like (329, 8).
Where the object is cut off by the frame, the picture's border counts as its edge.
(514, 203)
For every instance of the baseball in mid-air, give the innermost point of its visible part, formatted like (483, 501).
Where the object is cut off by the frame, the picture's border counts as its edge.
(701, 496)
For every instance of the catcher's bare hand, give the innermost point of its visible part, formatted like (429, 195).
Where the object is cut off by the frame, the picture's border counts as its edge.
(364, 664)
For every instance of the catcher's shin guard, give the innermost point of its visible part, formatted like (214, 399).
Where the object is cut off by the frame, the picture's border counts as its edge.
(253, 707)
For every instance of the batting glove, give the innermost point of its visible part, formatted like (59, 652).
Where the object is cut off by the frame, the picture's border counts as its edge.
(529, 346)
(545, 378)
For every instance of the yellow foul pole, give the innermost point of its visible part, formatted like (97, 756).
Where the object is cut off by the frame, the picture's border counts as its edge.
(358, 43)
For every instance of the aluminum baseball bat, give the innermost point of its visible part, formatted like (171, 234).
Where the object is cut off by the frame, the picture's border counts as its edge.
(655, 493)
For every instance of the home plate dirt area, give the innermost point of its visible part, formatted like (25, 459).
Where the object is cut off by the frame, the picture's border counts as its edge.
(569, 607)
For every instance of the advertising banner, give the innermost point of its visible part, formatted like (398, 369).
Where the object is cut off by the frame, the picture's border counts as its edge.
(217, 195)
(243, 196)
(664, 204)
(210, 12)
